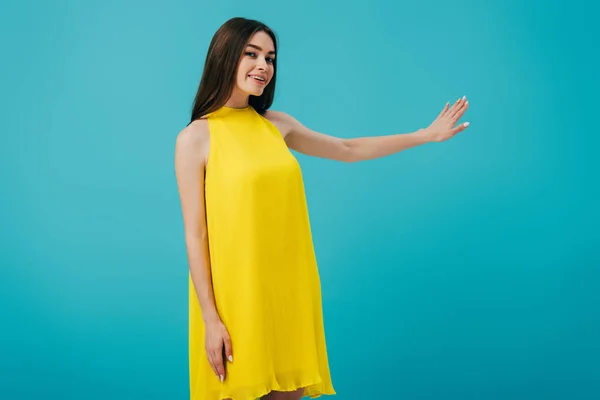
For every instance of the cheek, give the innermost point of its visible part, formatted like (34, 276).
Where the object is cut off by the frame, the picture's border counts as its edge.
(241, 72)
(241, 75)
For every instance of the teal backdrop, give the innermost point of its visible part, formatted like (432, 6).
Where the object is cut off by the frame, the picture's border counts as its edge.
(467, 269)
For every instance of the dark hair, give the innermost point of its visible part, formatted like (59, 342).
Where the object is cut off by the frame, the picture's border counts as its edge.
(220, 67)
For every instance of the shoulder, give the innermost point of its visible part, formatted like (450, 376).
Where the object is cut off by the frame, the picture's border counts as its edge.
(283, 121)
(192, 142)
(279, 116)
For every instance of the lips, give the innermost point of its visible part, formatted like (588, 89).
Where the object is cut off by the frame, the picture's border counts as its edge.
(258, 79)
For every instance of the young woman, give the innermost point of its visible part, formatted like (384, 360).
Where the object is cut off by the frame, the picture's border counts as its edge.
(255, 318)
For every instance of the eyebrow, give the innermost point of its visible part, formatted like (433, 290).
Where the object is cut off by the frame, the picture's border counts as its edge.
(259, 48)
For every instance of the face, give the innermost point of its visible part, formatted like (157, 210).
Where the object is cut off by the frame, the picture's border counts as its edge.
(256, 68)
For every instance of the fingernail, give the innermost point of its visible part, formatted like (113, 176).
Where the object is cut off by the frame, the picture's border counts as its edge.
(230, 358)
(464, 97)
(467, 102)
(466, 124)
(221, 376)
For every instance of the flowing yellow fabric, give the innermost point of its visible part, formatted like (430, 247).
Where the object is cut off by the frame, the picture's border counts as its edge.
(264, 271)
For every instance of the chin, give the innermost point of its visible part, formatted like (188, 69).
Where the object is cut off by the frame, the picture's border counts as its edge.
(255, 92)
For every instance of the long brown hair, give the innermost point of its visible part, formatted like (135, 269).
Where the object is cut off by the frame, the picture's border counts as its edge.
(220, 67)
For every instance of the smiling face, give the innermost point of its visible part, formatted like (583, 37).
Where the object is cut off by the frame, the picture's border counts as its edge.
(256, 66)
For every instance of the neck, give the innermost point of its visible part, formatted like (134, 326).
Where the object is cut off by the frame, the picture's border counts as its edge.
(237, 100)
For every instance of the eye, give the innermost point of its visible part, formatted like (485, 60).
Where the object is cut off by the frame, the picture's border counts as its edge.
(269, 60)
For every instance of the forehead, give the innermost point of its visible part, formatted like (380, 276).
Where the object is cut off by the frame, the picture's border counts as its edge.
(263, 40)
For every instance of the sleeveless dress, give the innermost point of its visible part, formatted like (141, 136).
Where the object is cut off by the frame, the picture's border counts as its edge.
(264, 272)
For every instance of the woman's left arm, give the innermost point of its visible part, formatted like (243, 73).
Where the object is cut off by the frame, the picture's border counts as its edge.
(304, 140)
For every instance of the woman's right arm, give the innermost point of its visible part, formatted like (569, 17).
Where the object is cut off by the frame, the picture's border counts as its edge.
(191, 151)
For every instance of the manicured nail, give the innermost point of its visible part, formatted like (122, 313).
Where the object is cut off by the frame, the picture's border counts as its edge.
(464, 97)
(221, 376)
(467, 102)
(466, 124)
(230, 358)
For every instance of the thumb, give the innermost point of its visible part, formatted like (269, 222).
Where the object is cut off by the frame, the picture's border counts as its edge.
(460, 128)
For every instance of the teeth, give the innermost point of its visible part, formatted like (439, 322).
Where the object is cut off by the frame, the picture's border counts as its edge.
(257, 78)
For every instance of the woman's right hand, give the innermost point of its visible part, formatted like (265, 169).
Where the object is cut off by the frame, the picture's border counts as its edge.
(444, 126)
(217, 337)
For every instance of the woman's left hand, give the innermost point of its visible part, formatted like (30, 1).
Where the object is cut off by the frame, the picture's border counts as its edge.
(444, 126)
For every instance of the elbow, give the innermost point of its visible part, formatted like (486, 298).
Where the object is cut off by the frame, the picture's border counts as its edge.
(196, 237)
(349, 154)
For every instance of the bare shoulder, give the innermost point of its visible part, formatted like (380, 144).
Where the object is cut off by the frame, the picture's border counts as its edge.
(193, 142)
(283, 121)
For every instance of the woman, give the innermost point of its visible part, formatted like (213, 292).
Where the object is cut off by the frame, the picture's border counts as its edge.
(255, 317)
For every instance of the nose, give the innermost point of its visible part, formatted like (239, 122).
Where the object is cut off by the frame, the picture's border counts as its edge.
(262, 64)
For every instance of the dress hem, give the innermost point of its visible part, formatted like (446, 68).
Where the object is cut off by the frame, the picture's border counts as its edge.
(265, 389)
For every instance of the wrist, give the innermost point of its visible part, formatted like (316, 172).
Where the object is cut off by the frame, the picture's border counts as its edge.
(211, 318)
(424, 134)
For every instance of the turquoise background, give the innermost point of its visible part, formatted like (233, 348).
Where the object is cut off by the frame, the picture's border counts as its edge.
(467, 269)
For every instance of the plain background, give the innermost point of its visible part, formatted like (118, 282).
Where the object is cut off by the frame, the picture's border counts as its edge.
(467, 269)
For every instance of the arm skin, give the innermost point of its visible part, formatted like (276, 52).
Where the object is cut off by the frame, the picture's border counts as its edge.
(304, 140)
(190, 153)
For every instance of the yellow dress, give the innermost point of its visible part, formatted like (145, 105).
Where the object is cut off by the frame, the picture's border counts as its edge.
(264, 272)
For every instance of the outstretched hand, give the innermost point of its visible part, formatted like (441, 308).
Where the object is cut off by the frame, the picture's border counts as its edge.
(444, 126)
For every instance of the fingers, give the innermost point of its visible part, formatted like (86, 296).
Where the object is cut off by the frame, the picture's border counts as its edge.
(459, 108)
(220, 369)
(452, 109)
(460, 128)
(215, 359)
(212, 363)
(218, 349)
(228, 349)
(462, 109)
(456, 111)
(443, 110)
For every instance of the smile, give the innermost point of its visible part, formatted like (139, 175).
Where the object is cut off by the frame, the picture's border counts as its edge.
(258, 79)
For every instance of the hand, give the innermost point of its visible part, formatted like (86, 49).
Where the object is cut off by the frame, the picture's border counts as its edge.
(444, 127)
(217, 336)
